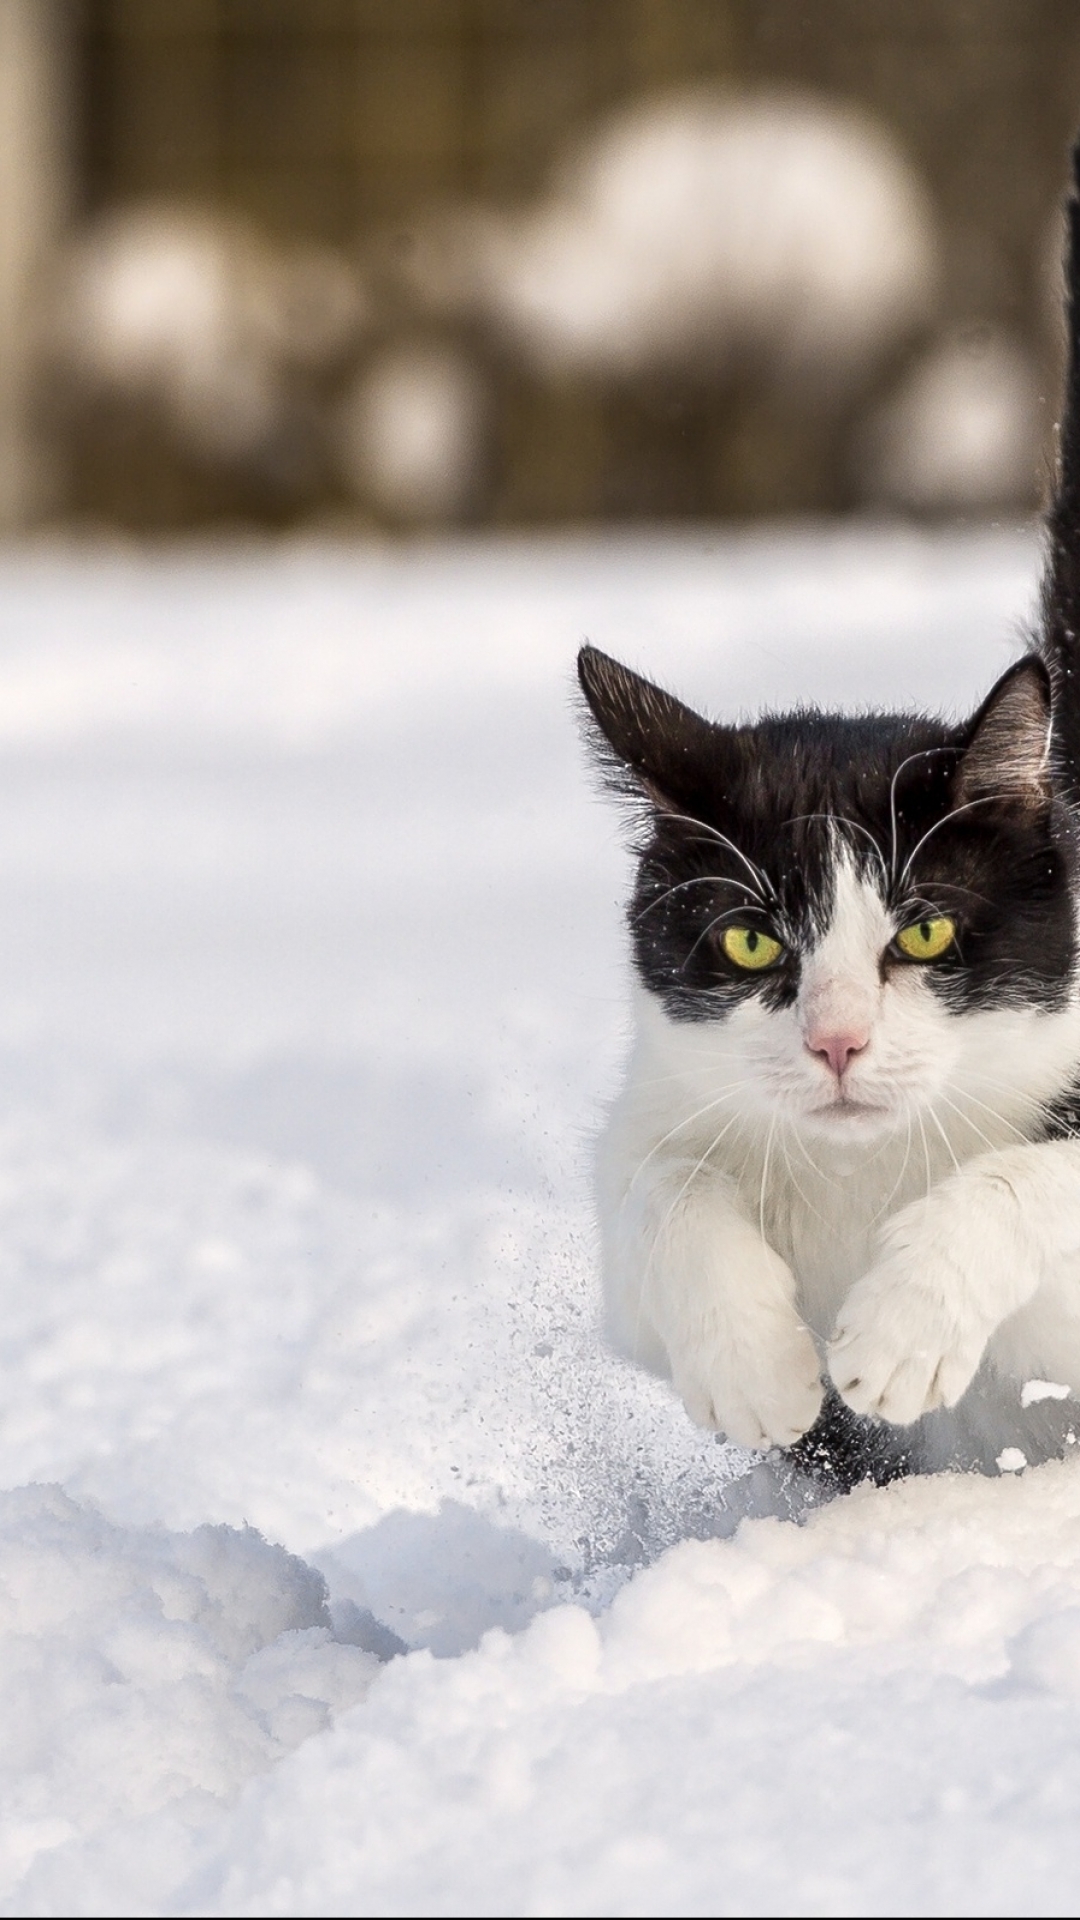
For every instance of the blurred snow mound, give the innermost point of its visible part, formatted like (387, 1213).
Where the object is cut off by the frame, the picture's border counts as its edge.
(413, 431)
(197, 312)
(962, 432)
(141, 1669)
(705, 227)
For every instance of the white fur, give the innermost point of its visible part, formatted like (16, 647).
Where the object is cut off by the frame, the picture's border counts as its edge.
(748, 1204)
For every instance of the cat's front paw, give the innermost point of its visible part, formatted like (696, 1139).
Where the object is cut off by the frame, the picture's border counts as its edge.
(762, 1391)
(911, 1334)
(906, 1340)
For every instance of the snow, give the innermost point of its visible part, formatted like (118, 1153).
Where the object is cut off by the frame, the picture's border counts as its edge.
(341, 1569)
(873, 1713)
(1034, 1390)
(142, 1669)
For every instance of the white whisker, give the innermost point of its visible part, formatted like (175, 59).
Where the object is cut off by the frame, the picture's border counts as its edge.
(687, 1183)
(699, 880)
(947, 1143)
(981, 800)
(765, 1176)
(963, 1094)
(925, 754)
(926, 1161)
(760, 879)
(807, 1202)
(811, 1163)
(898, 1182)
(845, 820)
(728, 1094)
(705, 932)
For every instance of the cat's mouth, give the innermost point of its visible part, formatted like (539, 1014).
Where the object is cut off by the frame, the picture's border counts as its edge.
(843, 1108)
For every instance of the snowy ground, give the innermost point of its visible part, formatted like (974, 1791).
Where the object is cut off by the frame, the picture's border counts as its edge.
(311, 987)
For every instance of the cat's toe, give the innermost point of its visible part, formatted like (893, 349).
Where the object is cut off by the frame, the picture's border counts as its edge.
(779, 1383)
(907, 1394)
(740, 1423)
(875, 1375)
(773, 1412)
(778, 1426)
(757, 1414)
(718, 1406)
(698, 1402)
(792, 1412)
(899, 1373)
(787, 1431)
(763, 1390)
(858, 1377)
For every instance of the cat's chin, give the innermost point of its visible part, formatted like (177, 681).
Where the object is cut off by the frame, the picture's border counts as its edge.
(850, 1120)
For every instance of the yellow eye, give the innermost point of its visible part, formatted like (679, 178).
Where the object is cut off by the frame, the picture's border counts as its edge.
(927, 939)
(750, 949)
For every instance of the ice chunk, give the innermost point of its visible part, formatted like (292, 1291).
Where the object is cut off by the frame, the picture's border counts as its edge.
(1035, 1390)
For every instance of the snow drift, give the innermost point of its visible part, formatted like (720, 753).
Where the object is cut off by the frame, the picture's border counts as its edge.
(311, 983)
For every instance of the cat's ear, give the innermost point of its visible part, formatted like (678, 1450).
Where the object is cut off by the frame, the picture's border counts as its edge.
(650, 745)
(1006, 762)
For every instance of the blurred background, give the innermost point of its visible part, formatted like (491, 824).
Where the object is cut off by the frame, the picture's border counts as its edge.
(408, 264)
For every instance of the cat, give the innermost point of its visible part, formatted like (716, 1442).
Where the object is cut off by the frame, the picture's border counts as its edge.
(840, 1188)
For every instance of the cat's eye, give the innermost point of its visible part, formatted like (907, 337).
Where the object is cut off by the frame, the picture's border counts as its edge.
(927, 939)
(748, 947)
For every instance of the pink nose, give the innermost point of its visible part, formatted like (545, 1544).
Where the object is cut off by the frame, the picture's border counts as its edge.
(837, 1050)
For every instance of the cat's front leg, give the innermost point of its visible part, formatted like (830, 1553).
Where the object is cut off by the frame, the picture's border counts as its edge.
(695, 1291)
(741, 1358)
(951, 1269)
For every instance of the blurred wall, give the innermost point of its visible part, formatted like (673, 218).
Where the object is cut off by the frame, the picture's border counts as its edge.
(35, 168)
(358, 124)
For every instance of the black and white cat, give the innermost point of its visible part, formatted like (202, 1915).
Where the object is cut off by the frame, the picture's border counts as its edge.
(848, 1145)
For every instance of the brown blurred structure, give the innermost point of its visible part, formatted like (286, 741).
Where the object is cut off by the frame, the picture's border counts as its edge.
(349, 121)
(36, 49)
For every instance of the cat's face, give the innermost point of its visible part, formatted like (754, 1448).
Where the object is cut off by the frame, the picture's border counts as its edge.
(851, 922)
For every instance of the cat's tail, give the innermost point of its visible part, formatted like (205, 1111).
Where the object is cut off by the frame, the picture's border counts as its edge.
(1059, 641)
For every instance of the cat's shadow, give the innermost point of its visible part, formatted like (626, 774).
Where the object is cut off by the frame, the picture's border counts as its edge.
(441, 1580)
(438, 1580)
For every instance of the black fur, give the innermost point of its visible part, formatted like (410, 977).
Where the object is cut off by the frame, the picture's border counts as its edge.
(842, 1449)
(1058, 641)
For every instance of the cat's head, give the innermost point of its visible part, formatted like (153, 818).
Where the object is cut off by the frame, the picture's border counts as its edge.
(850, 920)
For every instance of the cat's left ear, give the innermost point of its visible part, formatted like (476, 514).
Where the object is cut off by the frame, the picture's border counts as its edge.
(650, 746)
(1006, 763)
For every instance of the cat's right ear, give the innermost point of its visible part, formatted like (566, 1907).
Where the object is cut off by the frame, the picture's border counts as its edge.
(649, 745)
